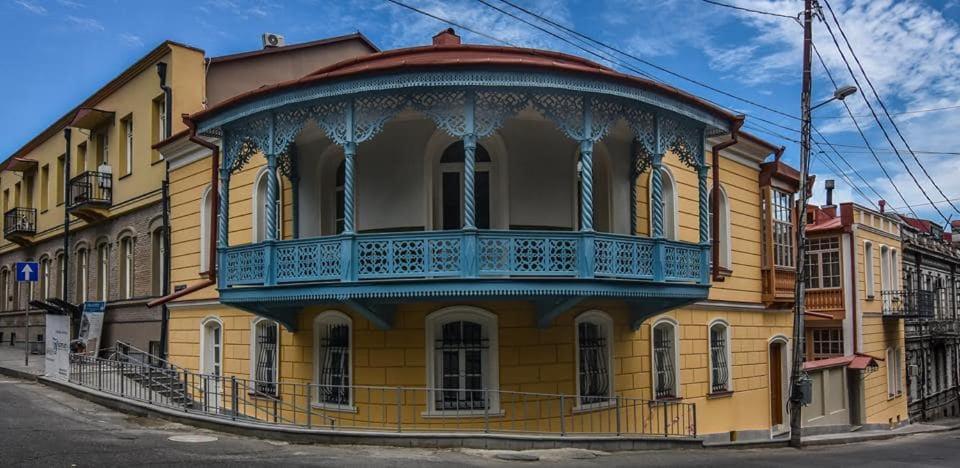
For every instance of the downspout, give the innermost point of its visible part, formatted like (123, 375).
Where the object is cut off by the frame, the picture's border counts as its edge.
(211, 273)
(165, 207)
(65, 274)
(715, 199)
(853, 291)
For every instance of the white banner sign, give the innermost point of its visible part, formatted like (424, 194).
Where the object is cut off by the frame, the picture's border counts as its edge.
(57, 358)
(91, 325)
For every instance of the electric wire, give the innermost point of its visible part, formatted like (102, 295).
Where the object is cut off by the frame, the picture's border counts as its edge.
(750, 10)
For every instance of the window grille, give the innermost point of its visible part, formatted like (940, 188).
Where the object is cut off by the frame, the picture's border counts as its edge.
(461, 353)
(594, 364)
(265, 372)
(664, 354)
(718, 354)
(334, 373)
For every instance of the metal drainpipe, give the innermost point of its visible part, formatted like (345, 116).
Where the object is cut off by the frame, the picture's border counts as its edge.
(715, 200)
(165, 207)
(65, 287)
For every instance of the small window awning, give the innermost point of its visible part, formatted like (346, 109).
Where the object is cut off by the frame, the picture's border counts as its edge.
(857, 361)
(90, 118)
(21, 165)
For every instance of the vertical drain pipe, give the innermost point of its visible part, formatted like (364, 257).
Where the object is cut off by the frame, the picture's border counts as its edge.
(715, 199)
(165, 208)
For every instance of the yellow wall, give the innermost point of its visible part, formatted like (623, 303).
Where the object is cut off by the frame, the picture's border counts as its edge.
(185, 75)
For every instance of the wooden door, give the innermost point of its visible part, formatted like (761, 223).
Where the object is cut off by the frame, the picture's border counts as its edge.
(776, 383)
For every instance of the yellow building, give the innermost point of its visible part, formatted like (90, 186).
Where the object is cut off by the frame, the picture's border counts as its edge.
(95, 169)
(854, 334)
(460, 237)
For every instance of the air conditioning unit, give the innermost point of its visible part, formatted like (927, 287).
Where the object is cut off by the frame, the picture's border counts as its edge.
(272, 40)
(913, 370)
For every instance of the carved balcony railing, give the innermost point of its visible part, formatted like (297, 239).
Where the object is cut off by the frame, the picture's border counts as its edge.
(909, 304)
(20, 222)
(464, 254)
(827, 301)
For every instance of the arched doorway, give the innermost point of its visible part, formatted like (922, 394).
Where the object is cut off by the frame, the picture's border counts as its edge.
(778, 385)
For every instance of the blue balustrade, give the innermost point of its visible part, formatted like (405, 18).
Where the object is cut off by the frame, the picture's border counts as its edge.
(443, 254)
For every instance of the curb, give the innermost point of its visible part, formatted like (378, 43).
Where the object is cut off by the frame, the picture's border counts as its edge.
(19, 374)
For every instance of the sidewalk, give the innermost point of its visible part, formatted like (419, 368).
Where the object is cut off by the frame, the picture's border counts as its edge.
(11, 363)
(941, 425)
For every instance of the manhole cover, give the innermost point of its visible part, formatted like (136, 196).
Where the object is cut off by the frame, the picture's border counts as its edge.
(192, 438)
(516, 456)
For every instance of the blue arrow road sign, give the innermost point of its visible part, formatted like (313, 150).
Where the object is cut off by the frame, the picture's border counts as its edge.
(28, 271)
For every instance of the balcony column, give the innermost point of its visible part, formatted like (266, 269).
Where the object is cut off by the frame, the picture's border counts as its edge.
(270, 236)
(223, 220)
(704, 223)
(468, 261)
(587, 247)
(656, 205)
(348, 254)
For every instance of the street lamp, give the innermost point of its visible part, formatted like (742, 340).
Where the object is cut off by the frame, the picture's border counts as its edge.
(839, 94)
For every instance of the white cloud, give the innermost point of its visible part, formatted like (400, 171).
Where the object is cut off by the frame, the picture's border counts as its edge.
(32, 7)
(85, 24)
(70, 4)
(131, 40)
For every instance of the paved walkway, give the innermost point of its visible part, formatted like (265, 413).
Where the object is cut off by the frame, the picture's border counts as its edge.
(12, 362)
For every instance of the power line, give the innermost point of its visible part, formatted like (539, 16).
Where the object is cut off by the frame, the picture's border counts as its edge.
(917, 111)
(750, 10)
(882, 128)
(646, 62)
(450, 22)
(883, 106)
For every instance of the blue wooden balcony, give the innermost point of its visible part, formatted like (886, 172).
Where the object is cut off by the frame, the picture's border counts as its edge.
(373, 272)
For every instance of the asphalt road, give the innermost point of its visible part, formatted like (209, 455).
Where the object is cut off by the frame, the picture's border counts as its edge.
(40, 426)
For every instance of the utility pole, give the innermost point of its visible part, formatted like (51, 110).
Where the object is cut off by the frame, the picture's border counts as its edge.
(797, 374)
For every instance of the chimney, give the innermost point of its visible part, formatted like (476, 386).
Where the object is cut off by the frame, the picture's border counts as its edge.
(883, 206)
(447, 37)
(829, 184)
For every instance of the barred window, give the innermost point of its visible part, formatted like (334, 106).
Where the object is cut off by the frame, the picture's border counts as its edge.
(894, 373)
(332, 334)
(594, 341)
(827, 342)
(719, 358)
(782, 229)
(665, 360)
(822, 268)
(460, 350)
(265, 347)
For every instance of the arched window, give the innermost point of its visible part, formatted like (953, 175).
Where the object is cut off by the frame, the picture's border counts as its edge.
(83, 271)
(462, 360)
(127, 270)
(212, 345)
(7, 291)
(332, 361)
(261, 204)
(158, 249)
(722, 220)
(451, 187)
(103, 269)
(206, 221)
(265, 356)
(594, 336)
(338, 197)
(894, 373)
(44, 279)
(666, 373)
(669, 197)
(868, 276)
(720, 357)
(61, 272)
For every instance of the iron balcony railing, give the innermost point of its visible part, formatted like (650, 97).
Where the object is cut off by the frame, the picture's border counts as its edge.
(380, 408)
(909, 304)
(20, 221)
(467, 254)
(90, 188)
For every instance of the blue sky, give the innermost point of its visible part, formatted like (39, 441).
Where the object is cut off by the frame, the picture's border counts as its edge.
(58, 52)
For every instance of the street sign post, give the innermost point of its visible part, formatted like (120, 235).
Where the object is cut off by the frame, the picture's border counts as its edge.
(27, 272)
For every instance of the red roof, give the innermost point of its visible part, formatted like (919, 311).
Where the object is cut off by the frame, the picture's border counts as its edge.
(856, 361)
(446, 55)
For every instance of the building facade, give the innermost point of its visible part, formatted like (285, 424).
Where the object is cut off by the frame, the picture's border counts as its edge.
(928, 301)
(454, 236)
(854, 343)
(95, 173)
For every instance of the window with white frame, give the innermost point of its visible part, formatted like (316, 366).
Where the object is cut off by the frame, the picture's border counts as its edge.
(5, 279)
(265, 348)
(594, 354)
(103, 269)
(451, 187)
(331, 333)
(128, 145)
(782, 229)
(127, 266)
(868, 277)
(158, 253)
(61, 271)
(894, 373)
(45, 278)
(823, 263)
(826, 342)
(462, 360)
(720, 217)
(83, 271)
(339, 200)
(668, 194)
(720, 365)
(666, 374)
(260, 207)
(206, 221)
